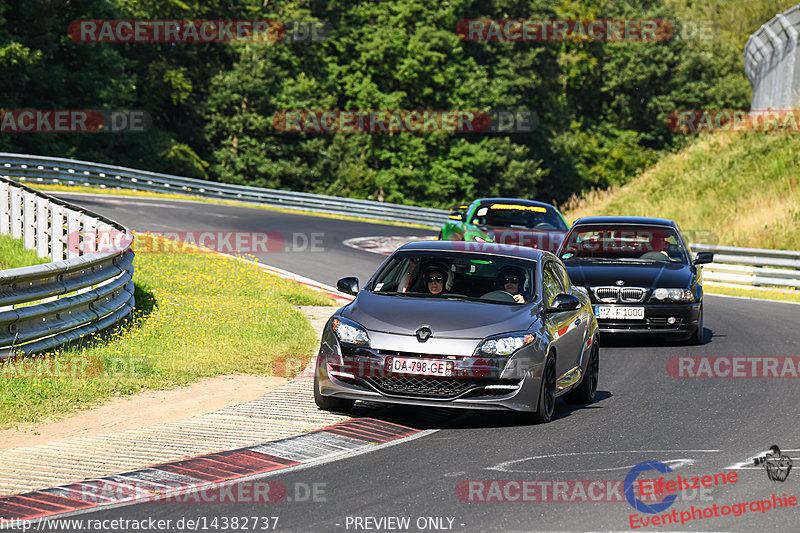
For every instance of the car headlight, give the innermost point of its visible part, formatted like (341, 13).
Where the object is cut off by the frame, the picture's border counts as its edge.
(349, 332)
(677, 295)
(504, 344)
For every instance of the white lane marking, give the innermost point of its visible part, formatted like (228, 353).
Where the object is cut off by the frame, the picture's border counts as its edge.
(505, 465)
(302, 280)
(748, 464)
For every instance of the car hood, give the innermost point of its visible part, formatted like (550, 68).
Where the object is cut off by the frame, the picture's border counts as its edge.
(458, 319)
(588, 273)
(541, 239)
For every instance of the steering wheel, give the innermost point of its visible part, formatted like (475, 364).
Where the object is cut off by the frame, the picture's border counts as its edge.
(545, 225)
(499, 296)
(656, 256)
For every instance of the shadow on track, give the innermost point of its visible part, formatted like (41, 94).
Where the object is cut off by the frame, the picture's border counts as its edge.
(642, 340)
(423, 418)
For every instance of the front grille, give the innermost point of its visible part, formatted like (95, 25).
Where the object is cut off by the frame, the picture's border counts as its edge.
(619, 294)
(423, 386)
(631, 294)
(441, 387)
(606, 293)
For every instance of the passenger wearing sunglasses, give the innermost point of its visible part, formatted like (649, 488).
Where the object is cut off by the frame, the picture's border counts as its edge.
(511, 280)
(437, 280)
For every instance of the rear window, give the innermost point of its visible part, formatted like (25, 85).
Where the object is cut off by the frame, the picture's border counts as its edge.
(519, 216)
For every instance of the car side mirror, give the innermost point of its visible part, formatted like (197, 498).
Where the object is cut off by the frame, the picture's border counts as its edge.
(348, 285)
(703, 257)
(563, 302)
(456, 213)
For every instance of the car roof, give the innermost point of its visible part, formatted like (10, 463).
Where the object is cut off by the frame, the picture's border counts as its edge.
(642, 221)
(519, 201)
(491, 248)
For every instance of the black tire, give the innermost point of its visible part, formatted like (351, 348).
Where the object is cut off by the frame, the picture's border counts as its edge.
(547, 394)
(330, 403)
(587, 388)
(697, 337)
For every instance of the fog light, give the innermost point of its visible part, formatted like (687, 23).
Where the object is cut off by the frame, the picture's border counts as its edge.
(671, 320)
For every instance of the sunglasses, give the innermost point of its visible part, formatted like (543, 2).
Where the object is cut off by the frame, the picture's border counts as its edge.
(437, 279)
(510, 280)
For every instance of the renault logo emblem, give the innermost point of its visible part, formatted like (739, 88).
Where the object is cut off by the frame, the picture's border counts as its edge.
(620, 282)
(423, 333)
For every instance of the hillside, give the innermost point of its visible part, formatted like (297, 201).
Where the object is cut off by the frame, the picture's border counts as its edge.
(745, 188)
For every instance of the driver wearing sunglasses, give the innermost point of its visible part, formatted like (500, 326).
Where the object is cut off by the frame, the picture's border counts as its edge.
(511, 280)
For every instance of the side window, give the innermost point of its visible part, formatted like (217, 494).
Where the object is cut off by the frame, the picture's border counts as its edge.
(551, 285)
(563, 276)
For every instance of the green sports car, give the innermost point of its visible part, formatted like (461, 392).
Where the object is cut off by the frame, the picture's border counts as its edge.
(506, 221)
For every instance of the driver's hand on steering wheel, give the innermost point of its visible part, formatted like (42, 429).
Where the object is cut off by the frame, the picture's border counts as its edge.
(519, 298)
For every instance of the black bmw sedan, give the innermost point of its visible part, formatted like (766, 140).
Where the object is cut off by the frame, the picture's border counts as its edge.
(639, 273)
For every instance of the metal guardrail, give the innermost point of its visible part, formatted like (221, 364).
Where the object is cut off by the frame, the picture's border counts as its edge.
(772, 62)
(732, 265)
(79, 293)
(753, 267)
(39, 169)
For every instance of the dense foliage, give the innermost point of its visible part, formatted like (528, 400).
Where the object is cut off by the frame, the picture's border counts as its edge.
(601, 108)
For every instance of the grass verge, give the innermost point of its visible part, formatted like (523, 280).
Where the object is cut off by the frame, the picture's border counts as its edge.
(760, 294)
(197, 315)
(14, 255)
(45, 187)
(743, 188)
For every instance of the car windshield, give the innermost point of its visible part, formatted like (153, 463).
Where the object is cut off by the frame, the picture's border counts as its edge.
(476, 277)
(519, 216)
(633, 243)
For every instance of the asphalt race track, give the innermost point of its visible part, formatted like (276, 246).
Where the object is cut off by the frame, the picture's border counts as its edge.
(697, 426)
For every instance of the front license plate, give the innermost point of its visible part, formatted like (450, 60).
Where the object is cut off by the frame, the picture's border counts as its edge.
(619, 313)
(421, 367)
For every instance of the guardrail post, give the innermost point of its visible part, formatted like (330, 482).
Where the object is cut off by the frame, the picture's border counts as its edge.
(43, 227)
(5, 209)
(89, 234)
(29, 220)
(74, 240)
(16, 212)
(57, 239)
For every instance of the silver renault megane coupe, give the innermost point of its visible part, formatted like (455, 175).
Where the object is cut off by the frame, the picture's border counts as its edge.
(461, 324)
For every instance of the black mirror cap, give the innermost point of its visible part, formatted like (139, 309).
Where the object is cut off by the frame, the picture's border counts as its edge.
(703, 257)
(457, 212)
(564, 302)
(348, 285)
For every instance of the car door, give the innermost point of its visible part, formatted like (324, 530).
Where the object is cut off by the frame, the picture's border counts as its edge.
(583, 315)
(567, 326)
